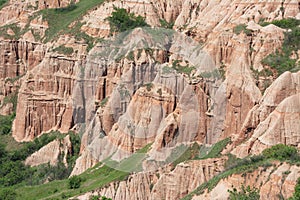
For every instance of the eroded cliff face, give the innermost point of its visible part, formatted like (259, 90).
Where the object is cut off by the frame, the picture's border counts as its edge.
(154, 87)
(51, 153)
(164, 183)
(17, 57)
(275, 182)
(45, 99)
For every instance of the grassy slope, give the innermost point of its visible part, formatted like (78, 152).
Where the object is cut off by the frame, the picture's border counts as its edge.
(94, 178)
(59, 19)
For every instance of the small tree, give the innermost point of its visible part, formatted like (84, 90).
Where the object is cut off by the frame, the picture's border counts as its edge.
(121, 20)
(75, 182)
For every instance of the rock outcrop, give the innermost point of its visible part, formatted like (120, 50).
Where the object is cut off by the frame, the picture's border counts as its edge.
(275, 182)
(162, 184)
(51, 153)
(275, 119)
(150, 86)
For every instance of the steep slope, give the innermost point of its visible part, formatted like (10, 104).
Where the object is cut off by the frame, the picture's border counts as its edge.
(197, 75)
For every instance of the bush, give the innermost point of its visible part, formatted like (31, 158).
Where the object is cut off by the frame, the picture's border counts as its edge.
(165, 24)
(281, 152)
(284, 23)
(281, 60)
(182, 69)
(74, 182)
(296, 194)
(121, 20)
(7, 194)
(242, 28)
(64, 50)
(6, 124)
(75, 149)
(13, 172)
(105, 198)
(245, 194)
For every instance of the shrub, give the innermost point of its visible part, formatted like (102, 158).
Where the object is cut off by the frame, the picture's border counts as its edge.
(7, 194)
(13, 172)
(182, 69)
(165, 24)
(242, 28)
(245, 194)
(148, 86)
(75, 182)
(121, 20)
(94, 197)
(281, 60)
(281, 152)
(105, 198)
(75, 149)
(6, 124)
(283, 23)
(296, 194)
(64, 50)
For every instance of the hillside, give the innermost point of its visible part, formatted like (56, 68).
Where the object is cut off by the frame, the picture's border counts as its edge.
(149, 100)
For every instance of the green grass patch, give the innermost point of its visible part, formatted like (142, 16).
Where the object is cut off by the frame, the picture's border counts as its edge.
(216, 149)
(183, 153)
(216, 74)
(242, 28)
(182, 69)
(96, 177)
(64, 50)
(60, 19)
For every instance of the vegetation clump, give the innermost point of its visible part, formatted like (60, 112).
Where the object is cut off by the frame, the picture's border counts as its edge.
(60, 19)
(13, 170)
(242, 28)
(237, 166)
(75, 182)
(282, 60)
(281, 152)
(165, 24)
(283, 23)
(2, 3)
(121, 20)
(246, 193)
(181, 68)
(6, 124)
(64, 50)
(296, 194)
